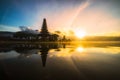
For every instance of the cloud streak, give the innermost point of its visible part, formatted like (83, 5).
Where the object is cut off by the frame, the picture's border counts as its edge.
(61, 17)
(8, 28)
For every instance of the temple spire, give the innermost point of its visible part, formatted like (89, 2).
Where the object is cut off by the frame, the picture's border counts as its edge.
(44, 29)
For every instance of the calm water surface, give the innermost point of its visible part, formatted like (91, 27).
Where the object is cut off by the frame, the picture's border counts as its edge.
(89, 61)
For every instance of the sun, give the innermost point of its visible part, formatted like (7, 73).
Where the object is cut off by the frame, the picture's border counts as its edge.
(80, 49)
(80, 34)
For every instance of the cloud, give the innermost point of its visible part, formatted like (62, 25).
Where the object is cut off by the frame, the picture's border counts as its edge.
(8, 28)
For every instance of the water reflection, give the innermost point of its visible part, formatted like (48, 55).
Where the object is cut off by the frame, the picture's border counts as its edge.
(26, 50)
(60, 61)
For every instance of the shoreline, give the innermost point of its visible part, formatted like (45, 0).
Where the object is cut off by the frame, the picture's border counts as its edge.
(38, 42)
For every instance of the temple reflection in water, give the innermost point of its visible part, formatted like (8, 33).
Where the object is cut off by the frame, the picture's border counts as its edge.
(26, 50)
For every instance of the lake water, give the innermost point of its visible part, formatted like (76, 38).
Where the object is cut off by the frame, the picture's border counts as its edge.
(60, 61)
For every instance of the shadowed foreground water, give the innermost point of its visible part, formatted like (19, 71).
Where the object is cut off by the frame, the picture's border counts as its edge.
(60, 61)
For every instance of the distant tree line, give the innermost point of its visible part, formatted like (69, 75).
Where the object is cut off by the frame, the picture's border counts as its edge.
(101, 38)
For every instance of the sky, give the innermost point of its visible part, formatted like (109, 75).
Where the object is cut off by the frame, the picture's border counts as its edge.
(95, 17)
